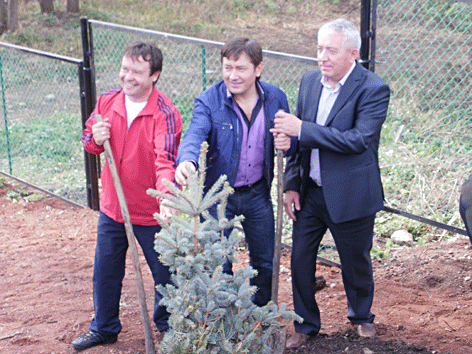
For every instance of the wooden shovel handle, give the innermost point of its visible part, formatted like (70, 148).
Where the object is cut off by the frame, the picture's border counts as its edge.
(279, 226)
(132, 244)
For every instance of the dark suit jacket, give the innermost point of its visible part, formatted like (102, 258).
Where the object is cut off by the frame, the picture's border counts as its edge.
(348, 144)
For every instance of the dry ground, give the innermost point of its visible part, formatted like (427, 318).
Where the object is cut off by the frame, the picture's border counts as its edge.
(423, 294)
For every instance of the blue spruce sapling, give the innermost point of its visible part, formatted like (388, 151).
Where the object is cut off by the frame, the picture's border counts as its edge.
(210, 312)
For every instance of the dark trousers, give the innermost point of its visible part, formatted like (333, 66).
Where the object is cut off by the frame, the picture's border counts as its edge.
(465, 205)
(259, 229)
(109, 271)
(353, 241)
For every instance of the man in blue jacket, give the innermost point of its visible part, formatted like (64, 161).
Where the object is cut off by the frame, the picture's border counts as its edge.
(234, 116)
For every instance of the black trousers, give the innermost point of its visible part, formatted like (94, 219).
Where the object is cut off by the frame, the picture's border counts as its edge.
(353, 241)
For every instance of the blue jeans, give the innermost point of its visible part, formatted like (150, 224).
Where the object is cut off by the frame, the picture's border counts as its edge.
(256, 206)
(109, 271)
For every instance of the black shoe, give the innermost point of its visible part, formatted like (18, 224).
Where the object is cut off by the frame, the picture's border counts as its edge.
(91, 339)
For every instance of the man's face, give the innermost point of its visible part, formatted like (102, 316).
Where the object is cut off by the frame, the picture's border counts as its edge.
(240, 75)
(135, 79)
(334, 60)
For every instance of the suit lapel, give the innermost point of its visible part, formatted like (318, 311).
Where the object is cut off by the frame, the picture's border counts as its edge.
(316, 98)
(349, 87)
(312, 93)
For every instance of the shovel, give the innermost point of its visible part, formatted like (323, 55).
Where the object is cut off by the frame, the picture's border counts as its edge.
(279, 225)
(277, 340)
(132, 245)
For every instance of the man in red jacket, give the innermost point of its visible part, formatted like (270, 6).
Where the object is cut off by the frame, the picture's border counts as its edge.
(143, 127)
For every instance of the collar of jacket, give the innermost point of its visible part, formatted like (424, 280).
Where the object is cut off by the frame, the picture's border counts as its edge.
(120, 108)
(261, 91)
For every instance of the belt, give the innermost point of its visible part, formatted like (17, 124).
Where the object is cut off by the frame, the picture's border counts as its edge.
(247, 187)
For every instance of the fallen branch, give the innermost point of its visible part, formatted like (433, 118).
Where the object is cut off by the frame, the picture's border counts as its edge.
(11, 335)
(451, 328)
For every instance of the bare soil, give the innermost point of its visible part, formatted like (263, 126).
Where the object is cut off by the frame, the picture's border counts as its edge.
(422, 303)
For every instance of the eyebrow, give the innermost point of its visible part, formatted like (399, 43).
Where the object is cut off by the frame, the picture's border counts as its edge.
(329, 48)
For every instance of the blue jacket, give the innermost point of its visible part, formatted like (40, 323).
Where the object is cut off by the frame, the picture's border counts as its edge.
(215, 121)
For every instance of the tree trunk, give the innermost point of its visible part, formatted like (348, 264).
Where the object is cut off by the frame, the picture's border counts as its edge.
(3, 17)
(47, 6)
(8, 15)
(12, 14)
(73, 6)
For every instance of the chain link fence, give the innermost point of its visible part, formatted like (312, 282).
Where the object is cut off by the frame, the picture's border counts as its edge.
(424, 52)
(190, 65)
(40, 125)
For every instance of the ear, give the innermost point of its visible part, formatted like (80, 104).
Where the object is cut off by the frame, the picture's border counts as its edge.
(259, 69)
(354, 54)
(155, 76)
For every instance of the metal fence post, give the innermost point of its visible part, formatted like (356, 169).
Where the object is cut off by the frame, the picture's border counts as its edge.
(366, 33)
(88, 100)
(204, 79)
(5, 115)
(373, 40)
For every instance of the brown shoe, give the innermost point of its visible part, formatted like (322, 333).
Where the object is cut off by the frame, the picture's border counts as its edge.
(296, 340)
(365, 330)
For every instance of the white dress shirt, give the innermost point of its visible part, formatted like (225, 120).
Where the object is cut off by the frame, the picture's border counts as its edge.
(327, 99)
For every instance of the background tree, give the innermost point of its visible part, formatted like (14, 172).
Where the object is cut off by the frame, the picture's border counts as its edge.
(73, 6)
(47, 6)
(8, 15)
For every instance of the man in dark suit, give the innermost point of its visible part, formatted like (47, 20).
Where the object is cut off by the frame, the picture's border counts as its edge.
(333, 181)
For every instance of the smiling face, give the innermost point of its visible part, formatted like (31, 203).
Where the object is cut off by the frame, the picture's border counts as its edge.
(240, 75)
(335, 60)
(135, 78)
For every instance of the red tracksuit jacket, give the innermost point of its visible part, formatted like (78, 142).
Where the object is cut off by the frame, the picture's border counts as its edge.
(144, 154)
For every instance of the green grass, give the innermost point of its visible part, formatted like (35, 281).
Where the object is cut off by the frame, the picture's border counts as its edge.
(218, 20)
(422, 172)
(46, 151)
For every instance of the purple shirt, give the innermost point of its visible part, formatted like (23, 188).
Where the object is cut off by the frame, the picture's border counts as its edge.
(251, 160)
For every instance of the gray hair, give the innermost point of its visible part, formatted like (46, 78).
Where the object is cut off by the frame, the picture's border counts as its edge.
(352, 37)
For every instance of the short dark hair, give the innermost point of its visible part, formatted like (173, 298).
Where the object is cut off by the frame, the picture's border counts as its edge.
(236, 46)
(149, 51)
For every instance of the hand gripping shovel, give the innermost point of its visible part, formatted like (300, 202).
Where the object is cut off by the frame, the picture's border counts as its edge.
(132, 245)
